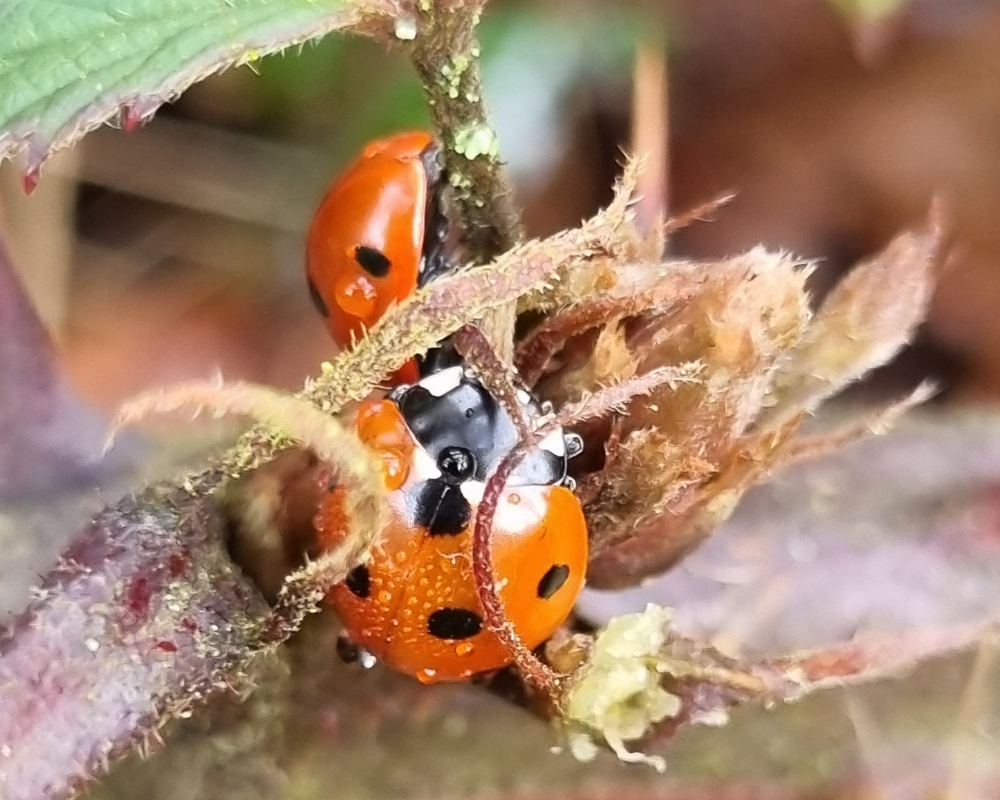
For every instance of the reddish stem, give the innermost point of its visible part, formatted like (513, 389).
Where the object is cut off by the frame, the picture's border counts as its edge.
(474, 345)
(144, 615)
(534, 670)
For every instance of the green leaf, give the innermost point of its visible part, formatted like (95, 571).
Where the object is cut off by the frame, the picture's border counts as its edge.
(67, 66)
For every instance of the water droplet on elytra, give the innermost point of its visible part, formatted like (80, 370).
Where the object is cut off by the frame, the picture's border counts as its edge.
(426, 676)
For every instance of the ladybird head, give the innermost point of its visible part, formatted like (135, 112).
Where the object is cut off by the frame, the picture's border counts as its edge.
(462, 427)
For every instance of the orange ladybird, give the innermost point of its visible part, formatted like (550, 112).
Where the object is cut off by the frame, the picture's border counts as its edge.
(414, 603)
(378, 235)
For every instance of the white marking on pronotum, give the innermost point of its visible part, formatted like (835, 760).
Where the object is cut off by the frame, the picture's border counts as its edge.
(440, 383)
(473, 491)
(424, 466)
(554, 443)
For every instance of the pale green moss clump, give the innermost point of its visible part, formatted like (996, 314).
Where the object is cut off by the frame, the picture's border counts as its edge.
(618, 693)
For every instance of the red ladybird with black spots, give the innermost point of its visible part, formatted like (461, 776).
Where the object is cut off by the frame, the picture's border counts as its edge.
(378, 235)
(414, 603)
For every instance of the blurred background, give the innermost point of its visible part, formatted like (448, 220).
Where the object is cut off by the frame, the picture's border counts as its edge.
(177, 250)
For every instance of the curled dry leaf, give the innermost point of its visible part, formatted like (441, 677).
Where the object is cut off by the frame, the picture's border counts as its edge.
(767, 363)
(867, 319)
(550, 336)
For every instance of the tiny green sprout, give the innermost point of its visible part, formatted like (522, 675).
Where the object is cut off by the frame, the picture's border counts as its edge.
(405, 29)
(619, 696)
(476, 141)
(474, 51)
(461, 63)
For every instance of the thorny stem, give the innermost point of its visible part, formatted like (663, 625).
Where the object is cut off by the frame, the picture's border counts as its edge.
(445, 54)
(534, 670)
(324, 435)
(534, 353)
(618, 395)
(734, 679)
(474, 345)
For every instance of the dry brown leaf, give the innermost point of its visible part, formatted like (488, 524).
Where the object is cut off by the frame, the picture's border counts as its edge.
(867, 319)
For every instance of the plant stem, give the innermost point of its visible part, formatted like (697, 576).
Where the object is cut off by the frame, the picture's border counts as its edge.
(445, 54)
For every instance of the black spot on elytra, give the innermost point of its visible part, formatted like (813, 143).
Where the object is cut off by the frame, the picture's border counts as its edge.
(454, 623)
(317, 299)
(552, 581)
(359, 581)
(442, 509)
(373, 261)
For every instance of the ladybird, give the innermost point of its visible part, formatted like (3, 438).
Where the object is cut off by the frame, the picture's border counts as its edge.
(414, 603)
(378, 235)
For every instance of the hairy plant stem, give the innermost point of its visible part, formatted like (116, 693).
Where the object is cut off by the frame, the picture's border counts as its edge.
(445, 54)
